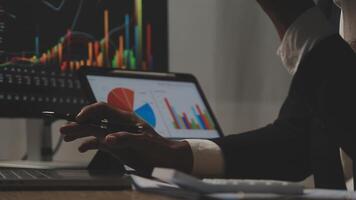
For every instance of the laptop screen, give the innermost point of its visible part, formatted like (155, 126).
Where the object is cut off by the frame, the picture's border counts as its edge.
(174, 109)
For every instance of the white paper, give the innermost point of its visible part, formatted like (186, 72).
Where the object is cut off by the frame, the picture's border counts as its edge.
(328, 194)
(310, 194)
(144, 183)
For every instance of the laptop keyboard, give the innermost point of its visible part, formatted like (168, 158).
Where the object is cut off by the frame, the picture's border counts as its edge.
(25, 174)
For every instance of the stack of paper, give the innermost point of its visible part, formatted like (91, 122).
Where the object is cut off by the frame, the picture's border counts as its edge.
(154, 186)
(176, 184)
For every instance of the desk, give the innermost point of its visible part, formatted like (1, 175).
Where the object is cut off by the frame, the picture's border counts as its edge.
(80, 195)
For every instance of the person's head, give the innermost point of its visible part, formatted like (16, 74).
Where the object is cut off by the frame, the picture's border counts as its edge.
(348, 21)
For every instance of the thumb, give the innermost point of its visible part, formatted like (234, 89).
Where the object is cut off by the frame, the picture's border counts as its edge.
(122, 139)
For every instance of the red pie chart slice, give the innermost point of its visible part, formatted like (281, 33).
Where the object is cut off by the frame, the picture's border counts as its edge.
(122, 98)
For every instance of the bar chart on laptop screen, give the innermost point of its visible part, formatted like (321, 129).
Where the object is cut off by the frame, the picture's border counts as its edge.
(199, 121)
(69, 34)
(173, 109)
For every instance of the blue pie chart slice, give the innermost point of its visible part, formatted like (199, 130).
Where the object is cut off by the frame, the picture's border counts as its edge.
(147, 114)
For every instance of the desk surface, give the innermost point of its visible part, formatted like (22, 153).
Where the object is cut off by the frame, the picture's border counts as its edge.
(79, 195)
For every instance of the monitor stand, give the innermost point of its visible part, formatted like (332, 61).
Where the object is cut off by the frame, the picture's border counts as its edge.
(39, 149)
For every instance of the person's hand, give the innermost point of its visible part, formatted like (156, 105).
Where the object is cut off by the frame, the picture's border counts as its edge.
(141, 151)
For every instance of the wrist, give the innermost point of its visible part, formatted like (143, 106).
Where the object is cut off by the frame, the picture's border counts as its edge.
(183, 156)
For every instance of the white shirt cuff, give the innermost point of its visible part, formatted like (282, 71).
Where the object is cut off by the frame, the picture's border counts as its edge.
(208, 159)
(301, 37)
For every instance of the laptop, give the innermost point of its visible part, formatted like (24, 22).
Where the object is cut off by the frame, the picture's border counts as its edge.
(172, 103)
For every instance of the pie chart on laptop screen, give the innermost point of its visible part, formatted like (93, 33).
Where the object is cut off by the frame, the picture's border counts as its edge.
(124, 99)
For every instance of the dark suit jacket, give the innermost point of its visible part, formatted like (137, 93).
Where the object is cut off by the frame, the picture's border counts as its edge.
(317, 118)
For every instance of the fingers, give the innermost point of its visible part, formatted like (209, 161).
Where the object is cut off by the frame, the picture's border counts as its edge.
(119, 140)
(124, 140)
(98, 111)
(90, 144)
(74, 131)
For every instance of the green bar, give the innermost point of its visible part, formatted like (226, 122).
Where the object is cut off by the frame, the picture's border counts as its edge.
(175, 125)
(113, 63)
(126, 58)
(132, 61)
(194, 125)
(102, 49)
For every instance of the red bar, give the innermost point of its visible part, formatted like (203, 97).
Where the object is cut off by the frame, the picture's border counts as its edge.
(149, 45)
(172, 114)
(64, 66)
(206, 122)
(96, 51)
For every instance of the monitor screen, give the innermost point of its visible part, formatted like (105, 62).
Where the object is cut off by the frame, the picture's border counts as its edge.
(68, 34)
(175, 109)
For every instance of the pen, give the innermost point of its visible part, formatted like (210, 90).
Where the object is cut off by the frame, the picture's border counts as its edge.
(103, 124)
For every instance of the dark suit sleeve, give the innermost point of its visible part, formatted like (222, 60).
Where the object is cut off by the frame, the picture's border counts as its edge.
(273, 152)
(279, 151)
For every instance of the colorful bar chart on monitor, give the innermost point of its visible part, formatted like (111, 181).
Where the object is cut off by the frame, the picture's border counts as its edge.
(120, 34)
(100, 52)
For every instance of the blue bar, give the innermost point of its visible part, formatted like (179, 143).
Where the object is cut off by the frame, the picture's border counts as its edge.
(37, 46)
(201, 119)
(186, 123)
(201, 124)
(127, 32)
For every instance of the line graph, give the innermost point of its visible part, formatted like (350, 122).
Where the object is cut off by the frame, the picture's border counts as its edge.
(60, 7)
(53, 7)
(77, 14)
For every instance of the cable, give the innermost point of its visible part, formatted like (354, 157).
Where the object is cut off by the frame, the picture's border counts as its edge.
(58, 145)
(54, 151)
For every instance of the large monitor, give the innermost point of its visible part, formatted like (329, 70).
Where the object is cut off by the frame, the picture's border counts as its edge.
(43, 43)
